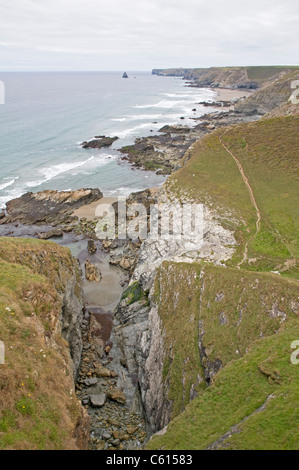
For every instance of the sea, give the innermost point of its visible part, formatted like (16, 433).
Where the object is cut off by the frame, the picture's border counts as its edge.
(46, 117)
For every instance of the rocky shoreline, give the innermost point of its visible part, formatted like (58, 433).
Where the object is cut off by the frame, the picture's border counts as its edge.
(103, 384)
(163, 153)
(121, 339)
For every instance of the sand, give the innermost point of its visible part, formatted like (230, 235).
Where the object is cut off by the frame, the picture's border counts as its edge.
(88, 211)
(226, 94)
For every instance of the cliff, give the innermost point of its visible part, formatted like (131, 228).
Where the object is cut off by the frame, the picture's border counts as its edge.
(225, 77)
(207, 328)
(272, 95)
(40, 317)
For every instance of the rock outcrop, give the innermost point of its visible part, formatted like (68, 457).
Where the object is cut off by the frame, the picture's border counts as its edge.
(138, 325)
(92, 272)
(49, 206)
(275, 94)
(99, 142)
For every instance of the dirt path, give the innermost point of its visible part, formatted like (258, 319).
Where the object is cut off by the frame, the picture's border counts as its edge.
(252, 198)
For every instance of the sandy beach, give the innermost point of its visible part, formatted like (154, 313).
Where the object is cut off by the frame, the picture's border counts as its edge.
(88, 211)
(226, 94)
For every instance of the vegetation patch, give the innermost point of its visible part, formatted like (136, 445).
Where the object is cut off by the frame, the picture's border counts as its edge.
(38, 406)
(243, 409)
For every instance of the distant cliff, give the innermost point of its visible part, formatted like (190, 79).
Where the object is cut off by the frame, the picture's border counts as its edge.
(275, 93)
(224, 77)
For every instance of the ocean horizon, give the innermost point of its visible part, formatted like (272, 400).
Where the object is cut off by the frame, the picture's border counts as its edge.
(47, 115)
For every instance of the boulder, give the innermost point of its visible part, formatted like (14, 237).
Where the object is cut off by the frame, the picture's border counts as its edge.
(101, 371)
(97, 401)
(92, 273)
(117, 395)
(55, 232)
(91, 247)
(90, 382)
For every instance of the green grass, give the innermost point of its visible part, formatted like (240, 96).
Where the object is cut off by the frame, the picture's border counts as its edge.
(234, 398)
(261, 73)
(233, 308)
(37, 410)
(134, 293)
(268, 151)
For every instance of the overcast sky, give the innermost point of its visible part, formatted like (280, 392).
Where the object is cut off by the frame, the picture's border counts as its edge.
(146, 34)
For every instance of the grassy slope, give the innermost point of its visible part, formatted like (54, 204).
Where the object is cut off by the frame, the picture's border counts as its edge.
(268, 152)
(231, 307)
(261, 73)
(240, 389)
(257, 310)
(38, 408)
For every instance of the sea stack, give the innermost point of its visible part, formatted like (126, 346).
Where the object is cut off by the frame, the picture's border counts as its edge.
(125, 75)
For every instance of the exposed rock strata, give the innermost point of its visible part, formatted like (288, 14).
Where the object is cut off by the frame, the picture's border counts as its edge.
(138, 326)
(49, 207)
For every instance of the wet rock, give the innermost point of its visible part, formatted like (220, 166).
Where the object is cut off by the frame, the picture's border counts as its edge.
(49, 206)
(175, 129)
(2, 215)
(97, 401)
(91, 247)
(55, 232)
(117, 395)
(99, 142)
(92, 273)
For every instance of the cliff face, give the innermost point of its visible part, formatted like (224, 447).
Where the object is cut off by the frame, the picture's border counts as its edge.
(273, 95)
(215, 77)
(41, 314)
(206, 329)
(228, 77)
(139, 324)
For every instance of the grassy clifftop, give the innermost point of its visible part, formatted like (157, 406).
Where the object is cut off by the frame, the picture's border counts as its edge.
(253, 403)
(228, 330)
(38, 406)
(210, 317)
(268, 153)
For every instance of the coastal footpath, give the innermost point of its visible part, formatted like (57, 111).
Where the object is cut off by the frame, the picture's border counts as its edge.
(201, 329)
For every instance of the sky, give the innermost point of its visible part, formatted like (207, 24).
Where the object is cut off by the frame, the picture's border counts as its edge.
(140, 35)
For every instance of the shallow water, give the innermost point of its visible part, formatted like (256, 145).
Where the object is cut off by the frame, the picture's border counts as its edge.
(48, 115)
